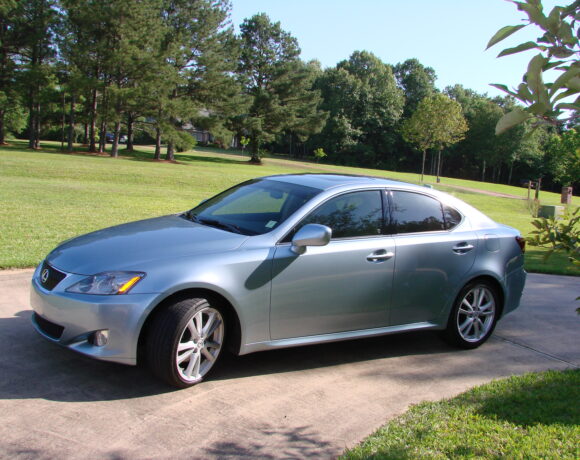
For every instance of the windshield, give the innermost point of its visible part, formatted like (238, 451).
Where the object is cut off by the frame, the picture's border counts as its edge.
(252, 208)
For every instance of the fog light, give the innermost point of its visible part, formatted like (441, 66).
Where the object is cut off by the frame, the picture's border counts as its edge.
(100, 338)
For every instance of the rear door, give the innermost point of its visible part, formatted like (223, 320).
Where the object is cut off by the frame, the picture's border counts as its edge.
(434, 252)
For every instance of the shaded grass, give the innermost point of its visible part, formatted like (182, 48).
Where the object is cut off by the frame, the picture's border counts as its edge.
(531, 416)
(48, 196)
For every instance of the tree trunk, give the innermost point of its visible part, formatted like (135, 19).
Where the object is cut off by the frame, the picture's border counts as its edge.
(31, 120)
(483, 172)
(255, 150)
(103, 137)
(2, 133)
(37, 127)
(438, 166)
(130, 123)
(157, 144)
(115, 147)
(510, 173)
(93, 123)
(62, 121)
(423, 165)
(170, 155)
(86, 134)
(71, 124)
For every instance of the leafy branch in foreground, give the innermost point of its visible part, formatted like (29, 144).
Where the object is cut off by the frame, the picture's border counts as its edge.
(562, 235)
(559, 48)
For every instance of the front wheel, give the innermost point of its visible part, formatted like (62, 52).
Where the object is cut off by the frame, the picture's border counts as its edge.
(474, 315)
(185, 341)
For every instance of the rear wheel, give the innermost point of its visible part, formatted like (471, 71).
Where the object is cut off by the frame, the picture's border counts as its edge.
(185, 341)
(474, 315)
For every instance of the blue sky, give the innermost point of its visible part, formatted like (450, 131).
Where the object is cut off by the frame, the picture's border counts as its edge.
(448, 35)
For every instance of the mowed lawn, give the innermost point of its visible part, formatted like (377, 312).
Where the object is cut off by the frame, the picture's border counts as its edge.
(523, 417)
(47, 196)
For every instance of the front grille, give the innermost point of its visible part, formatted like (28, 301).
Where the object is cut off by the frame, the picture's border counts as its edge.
(51, 329)
(49, 276)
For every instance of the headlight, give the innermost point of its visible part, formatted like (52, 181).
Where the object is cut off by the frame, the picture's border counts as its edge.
(108, 283)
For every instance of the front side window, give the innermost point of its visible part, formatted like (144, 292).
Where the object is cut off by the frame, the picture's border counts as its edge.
(414, 212)
(252, 208)
(350, 215)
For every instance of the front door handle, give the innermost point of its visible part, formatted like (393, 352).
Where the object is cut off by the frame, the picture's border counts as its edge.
(462, 248)
(380, 256)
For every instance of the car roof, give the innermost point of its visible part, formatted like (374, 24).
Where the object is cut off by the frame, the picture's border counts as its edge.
(328, 181)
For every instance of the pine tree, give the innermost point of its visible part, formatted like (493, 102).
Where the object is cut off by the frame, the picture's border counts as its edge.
(278, 83)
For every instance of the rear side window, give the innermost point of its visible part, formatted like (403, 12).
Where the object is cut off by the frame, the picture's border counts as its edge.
(413, 213)
(452, 217)
(350, 215)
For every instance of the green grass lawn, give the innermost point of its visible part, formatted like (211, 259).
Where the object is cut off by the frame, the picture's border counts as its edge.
(47, 196)
(531, 416)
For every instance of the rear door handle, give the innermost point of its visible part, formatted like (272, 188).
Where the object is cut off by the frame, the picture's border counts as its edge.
(462, 248)
(380, 256)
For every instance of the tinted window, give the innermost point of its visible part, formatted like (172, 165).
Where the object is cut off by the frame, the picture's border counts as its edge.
(350, 215)
(452, 217)
(413, 212)
(254, 207)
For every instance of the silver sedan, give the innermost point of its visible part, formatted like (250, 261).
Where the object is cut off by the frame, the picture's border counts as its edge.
(278, 262)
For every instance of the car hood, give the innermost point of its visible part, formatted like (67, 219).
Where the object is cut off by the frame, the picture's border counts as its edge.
(131, 245)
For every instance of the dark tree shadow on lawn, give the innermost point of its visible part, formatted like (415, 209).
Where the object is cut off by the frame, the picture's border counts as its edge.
(549, 400)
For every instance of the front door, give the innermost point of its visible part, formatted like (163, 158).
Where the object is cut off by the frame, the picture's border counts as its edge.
(343, 286)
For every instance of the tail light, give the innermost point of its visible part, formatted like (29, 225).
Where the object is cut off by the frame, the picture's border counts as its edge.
(521, 243)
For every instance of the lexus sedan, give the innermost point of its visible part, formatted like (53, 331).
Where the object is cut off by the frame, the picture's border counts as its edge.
(277, 262)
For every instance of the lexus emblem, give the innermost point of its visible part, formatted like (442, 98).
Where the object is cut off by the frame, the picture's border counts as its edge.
(44, 275)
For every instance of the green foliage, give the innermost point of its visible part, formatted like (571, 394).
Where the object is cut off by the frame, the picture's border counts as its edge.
(364, 105)
(529, 416)
(559, 235)
(563, 157)
(417, 81)
(559, 46)
(278, 84)
(437, 123)
(319, 154)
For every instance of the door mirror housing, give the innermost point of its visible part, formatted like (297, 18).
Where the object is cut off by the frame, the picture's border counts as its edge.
(310, 235)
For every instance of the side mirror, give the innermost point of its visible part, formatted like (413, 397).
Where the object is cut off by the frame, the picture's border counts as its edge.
(310, 235)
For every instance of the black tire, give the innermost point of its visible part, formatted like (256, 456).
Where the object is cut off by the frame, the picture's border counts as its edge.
(471, 327)
(178, 324)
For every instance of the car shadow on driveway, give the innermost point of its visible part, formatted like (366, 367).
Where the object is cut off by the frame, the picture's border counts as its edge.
(31, 367)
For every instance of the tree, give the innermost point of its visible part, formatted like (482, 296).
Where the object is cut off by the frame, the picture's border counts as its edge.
(364, 105)
(417, 82)
(559, 48)
(563, 157)
(9, 46)
(34, 23)
(199, 53)
(278, 84)
(437, 123)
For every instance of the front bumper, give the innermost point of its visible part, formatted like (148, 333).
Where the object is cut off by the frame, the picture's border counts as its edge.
(70, 319)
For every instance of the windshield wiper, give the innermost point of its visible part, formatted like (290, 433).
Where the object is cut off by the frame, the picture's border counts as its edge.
(216, 223)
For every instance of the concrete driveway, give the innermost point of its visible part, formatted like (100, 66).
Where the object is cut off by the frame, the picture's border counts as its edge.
(311, 401)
